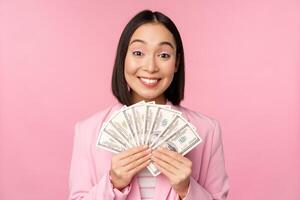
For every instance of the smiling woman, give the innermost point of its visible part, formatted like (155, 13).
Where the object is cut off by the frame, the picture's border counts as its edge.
(150, 62)
(149, 66)
(150, 42)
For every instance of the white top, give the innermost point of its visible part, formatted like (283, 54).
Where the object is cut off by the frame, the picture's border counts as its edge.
(147, 184)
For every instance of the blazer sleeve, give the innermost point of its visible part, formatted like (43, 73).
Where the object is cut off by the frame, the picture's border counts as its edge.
(216, 186)
(81, 186)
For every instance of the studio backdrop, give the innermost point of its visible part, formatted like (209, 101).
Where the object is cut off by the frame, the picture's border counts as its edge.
(242, 68)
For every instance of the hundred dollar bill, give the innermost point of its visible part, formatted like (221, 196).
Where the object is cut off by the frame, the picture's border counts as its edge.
(151, 112)
(118, 122)
(175, 125)
(147, 121)
(164, 117)
(129, 116)
(128, 113)
(153, 170)
(139, 114)
(110, 141)
(183, 141)
(112, 130)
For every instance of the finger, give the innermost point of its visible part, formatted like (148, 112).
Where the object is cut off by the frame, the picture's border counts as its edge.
(163, 170)
(139, 167)
(133, 158)
(167, 158)
(138, 162)
(172, 154)
(167, 166)
(131, 151)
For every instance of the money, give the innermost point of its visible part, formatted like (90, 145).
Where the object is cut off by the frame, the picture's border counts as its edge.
(151, 124)
(119, 123)
(183, 141)
(110, 141)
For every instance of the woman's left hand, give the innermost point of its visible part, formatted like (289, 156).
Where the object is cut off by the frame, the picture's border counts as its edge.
(175, 167)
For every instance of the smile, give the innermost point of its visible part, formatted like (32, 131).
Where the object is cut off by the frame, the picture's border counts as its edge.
(149, 82)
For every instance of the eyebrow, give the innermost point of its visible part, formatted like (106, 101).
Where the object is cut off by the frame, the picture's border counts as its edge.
(160, 44)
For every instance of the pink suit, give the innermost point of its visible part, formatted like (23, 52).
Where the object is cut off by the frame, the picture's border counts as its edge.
(89, 171)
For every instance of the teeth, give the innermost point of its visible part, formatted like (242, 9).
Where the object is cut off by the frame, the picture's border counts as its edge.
(149, 81)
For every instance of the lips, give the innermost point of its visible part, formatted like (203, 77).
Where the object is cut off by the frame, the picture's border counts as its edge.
(149, 82)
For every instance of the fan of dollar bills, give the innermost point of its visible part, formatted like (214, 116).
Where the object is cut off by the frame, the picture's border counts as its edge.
(148, 123)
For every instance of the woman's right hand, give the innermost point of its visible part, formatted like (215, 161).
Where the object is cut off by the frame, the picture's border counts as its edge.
(126, 164)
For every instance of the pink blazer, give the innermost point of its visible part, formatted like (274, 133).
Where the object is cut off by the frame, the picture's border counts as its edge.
(89, 171)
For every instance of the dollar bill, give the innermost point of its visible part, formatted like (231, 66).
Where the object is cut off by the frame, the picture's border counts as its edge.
(119, 123)
(110, 141)
(151, 112)
(140, 118)
(176, 124)
(152, 169)
(183, 141)
(161, 118)
(151, 124)
(164, 117)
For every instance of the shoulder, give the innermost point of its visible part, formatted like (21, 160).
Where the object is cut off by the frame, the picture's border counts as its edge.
(93, 122)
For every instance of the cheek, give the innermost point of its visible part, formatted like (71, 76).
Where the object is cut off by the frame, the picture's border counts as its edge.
(130, 65)
(168, 68)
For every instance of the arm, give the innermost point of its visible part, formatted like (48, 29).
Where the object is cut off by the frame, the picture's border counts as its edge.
(216, 186)
(81, 177)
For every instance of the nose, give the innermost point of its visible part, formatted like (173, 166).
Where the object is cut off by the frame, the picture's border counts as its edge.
(151, 65)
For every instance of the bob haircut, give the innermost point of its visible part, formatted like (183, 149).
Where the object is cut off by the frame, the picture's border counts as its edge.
(175, 92)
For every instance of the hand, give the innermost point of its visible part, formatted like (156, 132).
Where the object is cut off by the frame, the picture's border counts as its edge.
(175, 167)
(126, 164)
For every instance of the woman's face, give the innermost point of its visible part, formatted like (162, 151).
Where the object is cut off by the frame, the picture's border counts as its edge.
(150, 62)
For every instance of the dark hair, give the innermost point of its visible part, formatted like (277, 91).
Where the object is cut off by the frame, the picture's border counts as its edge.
(175, 91)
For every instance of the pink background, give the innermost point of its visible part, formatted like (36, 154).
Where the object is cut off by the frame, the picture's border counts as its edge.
(243, 68)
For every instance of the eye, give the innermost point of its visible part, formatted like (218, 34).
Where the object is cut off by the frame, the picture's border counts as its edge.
(137, 53)
(164, 55)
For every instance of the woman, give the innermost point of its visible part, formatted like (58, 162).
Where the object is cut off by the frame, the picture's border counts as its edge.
(149, 66)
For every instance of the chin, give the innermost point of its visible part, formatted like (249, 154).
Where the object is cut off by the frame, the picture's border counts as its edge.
(148, 97)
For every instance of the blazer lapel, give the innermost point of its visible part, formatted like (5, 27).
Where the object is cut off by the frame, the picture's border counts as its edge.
(178, 108)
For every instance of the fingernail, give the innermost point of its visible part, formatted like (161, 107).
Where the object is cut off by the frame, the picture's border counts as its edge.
(145, 146)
